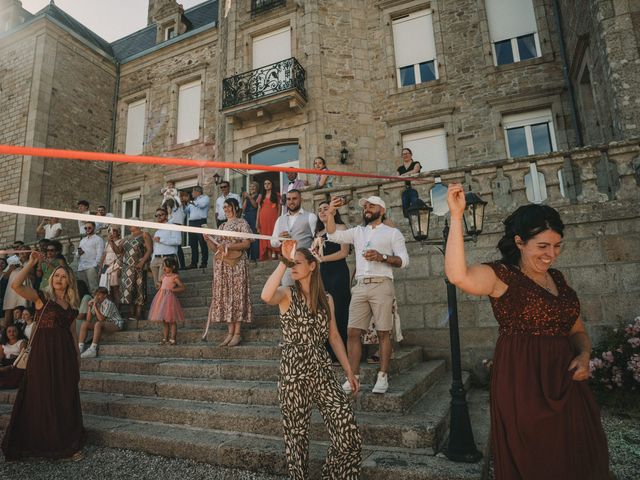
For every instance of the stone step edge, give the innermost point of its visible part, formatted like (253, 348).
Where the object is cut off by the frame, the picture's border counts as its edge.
(259, 453)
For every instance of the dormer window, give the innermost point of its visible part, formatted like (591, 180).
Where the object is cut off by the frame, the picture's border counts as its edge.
(169, 32)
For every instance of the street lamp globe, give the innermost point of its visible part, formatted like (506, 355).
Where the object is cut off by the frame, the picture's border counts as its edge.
(473, 214)
(419, 214)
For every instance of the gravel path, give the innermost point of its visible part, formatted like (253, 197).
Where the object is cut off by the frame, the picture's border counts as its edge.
(114, 464)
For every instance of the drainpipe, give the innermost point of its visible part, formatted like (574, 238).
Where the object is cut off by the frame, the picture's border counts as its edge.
(112, 140)
(565, 71)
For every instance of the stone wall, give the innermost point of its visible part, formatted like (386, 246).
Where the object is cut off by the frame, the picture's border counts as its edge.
(600, 259)
(16, 68)
(604, 37)
(157, 77)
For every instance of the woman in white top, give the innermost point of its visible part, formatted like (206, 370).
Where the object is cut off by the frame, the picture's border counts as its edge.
(27, 318)
(10, 350)
(50, 227)
(110, 263)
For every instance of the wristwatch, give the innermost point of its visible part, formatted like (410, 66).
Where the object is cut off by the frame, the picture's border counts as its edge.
(385, 258)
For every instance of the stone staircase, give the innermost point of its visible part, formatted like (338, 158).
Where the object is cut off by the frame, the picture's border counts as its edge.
(219, 405)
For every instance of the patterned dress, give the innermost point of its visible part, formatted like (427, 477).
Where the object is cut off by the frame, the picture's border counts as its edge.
(231, 293)
(133, 282)
(544, 424)
(46, 420)
(306, 377)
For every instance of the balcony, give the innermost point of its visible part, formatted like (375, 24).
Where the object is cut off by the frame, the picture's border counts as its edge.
(265, 90)
(261, 6)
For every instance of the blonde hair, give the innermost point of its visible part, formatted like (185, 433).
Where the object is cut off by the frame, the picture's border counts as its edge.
(71, 294)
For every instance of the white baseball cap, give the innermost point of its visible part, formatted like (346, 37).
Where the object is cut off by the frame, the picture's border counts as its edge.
(373, 200)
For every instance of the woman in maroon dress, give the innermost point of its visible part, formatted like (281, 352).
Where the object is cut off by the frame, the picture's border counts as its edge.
(545, 422)
(47, 418)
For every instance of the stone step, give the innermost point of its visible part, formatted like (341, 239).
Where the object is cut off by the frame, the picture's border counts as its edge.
(255, 350)
(191, 335)
(259, 453)
(404, 390)
(246, 369)
(199, 321)
(390, 430)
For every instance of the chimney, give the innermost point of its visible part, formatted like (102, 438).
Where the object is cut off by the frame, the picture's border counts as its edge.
(161, 8)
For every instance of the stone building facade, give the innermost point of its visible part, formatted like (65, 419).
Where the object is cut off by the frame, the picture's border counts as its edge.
(470, 85)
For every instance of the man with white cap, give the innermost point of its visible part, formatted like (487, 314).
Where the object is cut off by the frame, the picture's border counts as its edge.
(378, 248)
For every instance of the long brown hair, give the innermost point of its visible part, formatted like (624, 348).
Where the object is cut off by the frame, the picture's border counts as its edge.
(71, 294)
(317, 293)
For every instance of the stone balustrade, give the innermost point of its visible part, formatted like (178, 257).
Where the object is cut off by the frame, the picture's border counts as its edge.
(598, 196)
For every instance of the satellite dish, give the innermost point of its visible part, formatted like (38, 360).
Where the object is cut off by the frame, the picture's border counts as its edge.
(439, 199)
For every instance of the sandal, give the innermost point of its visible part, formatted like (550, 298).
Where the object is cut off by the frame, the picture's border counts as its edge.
(163, 341)
(226, 341)
(235, 341)
(373, 359)
(76, 457)
(172, 342)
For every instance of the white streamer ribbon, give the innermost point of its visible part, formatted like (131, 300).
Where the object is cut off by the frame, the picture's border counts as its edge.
(43, 212)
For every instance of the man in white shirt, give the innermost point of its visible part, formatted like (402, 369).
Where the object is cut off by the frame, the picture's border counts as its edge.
(89, 254)
(225, 188)
(165, 244)
(296, 224)
(378, 249)
(83, 207)
(102, 212)
(177, 216)
(198, 210)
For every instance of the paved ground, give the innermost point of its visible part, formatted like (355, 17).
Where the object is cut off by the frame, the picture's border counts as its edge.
(113, 464)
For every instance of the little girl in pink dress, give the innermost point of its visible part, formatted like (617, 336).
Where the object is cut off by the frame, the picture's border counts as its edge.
(165, 306)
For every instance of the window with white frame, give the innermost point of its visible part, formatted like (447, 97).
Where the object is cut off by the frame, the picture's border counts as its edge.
(429, 147)
(131, 204)
(188, 112)
(415, 49)
(513, 30)
(134, 142)
(272, 47)
(529, 133)
(169, 32)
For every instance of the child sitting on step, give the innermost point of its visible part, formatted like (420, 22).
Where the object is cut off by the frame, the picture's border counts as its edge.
(165, 306)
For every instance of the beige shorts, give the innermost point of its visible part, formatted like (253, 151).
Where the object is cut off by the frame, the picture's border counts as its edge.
(372, 298)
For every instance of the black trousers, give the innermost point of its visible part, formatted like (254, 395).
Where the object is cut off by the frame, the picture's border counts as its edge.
(197, 242)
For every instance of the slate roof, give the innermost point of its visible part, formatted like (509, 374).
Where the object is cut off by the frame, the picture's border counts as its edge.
(203, 14)
(144, 39)
(63, 17)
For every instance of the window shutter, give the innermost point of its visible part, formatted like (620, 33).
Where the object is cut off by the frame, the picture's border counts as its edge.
(271, 47)
(188, 112)
(134, 142)
(413, 39)
(510, 18)
(429, 148)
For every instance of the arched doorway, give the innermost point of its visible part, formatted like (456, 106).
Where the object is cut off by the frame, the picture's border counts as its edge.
(282, 155)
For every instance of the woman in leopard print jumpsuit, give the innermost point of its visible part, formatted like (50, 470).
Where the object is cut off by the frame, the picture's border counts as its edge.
(306, 376)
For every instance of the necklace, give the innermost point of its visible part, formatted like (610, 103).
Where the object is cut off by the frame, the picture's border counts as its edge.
(547, 281)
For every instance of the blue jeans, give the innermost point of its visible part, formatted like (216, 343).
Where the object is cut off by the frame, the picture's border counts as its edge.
(409, 197)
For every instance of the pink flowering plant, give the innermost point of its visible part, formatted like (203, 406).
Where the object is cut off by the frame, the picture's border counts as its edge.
(615, 363)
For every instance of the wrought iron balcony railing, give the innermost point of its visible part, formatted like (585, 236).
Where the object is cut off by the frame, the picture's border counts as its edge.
(259, 6)
(263, 82)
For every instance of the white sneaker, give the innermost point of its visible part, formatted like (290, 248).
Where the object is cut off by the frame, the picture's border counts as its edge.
(382, 383)
(91, 352)
(346, 386)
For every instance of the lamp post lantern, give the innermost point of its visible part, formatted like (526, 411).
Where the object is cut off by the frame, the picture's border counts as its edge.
(461, 446)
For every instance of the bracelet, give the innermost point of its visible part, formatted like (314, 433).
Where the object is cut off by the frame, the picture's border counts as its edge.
(286, 261)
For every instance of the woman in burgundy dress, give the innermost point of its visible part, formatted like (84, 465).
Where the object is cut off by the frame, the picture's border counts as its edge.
(47, 418)
(545, 422)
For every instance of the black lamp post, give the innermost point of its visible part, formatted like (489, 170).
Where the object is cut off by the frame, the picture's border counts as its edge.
(344, 155)
(217, 178)
(462, 446)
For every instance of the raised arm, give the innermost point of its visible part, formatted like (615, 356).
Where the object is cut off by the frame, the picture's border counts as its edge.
(272, 292)
(476, 279)
(23, 290)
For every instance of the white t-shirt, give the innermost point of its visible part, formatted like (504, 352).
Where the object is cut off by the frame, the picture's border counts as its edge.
(52, 231)
(12, 350)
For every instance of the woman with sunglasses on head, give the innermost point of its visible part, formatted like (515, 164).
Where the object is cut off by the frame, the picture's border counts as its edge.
(49, 263)
(46, 420)
(306, 376)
